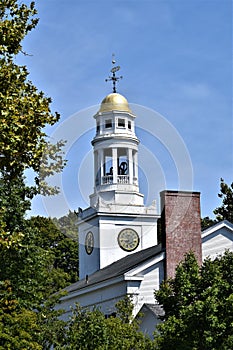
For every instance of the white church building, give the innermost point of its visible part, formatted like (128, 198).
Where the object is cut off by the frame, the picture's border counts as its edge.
(119, 251)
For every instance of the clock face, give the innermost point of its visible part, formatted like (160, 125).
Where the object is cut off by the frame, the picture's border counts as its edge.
(128, 239)
(89, 242)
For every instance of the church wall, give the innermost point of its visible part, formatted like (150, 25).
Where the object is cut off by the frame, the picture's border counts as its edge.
(88, 264)
(149, 234)
(105, 229)
(111, 251)
(110, 228)
(103, 298)
(217, 242)
(153, 276)
(149, 321)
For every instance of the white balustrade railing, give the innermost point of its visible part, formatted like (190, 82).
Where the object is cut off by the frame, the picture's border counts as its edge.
(107, 180)
(122, 179)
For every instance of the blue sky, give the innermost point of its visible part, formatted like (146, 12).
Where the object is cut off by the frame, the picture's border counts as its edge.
(175, 58)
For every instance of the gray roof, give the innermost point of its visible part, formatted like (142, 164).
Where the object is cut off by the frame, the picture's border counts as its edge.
(117, 268)
(156, 309)
(225, 222)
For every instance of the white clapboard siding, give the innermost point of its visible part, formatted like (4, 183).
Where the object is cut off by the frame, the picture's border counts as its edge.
(152, 279)
(217, 239)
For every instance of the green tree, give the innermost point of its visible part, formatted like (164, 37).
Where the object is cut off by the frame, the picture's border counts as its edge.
(198, 305)
(92, 330)
(17, 325)
(207, 222)
(225, 211)
(67, 224)
(28, 274)
(24, 328)
(63, 248)
(13, 203)
(30, 269)
(24, 111)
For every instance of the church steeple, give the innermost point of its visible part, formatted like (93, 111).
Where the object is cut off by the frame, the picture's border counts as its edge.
(117, 222)
(115, 147)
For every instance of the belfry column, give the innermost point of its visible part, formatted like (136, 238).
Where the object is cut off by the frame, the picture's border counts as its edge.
(135, 161)
(101, 153)
(96, 166)
(114, 164)
(130, 161)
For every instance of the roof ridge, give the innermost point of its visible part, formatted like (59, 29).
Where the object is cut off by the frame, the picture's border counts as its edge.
(223, 222)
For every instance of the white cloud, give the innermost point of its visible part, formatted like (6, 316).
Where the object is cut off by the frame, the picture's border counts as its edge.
(194, 90)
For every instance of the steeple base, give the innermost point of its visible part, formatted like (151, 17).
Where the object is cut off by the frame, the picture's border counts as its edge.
(116, 197)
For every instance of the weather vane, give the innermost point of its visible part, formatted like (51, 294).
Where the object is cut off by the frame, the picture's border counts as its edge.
(113, 78)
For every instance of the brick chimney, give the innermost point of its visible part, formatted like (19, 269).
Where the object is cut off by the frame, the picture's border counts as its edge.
(181, 227)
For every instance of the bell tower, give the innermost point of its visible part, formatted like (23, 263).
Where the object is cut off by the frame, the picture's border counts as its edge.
(117, 223)
(115, 149)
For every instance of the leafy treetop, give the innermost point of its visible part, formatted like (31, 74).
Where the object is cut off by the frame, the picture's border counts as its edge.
(24, 111)
(225, 211)
(198, 305)
(16, 21)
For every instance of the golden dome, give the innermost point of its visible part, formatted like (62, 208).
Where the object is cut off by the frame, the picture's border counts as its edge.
(114, 102)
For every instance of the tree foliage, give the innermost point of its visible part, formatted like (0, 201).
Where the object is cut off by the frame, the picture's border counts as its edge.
(16, 21)
(24, 328)
(28, 272)
(24, 111)
(225, 211)
(92, 330)
(207, 222)
(34, 265)
(198, 305)
(63, 248)
(14, 202)
(67, 224)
